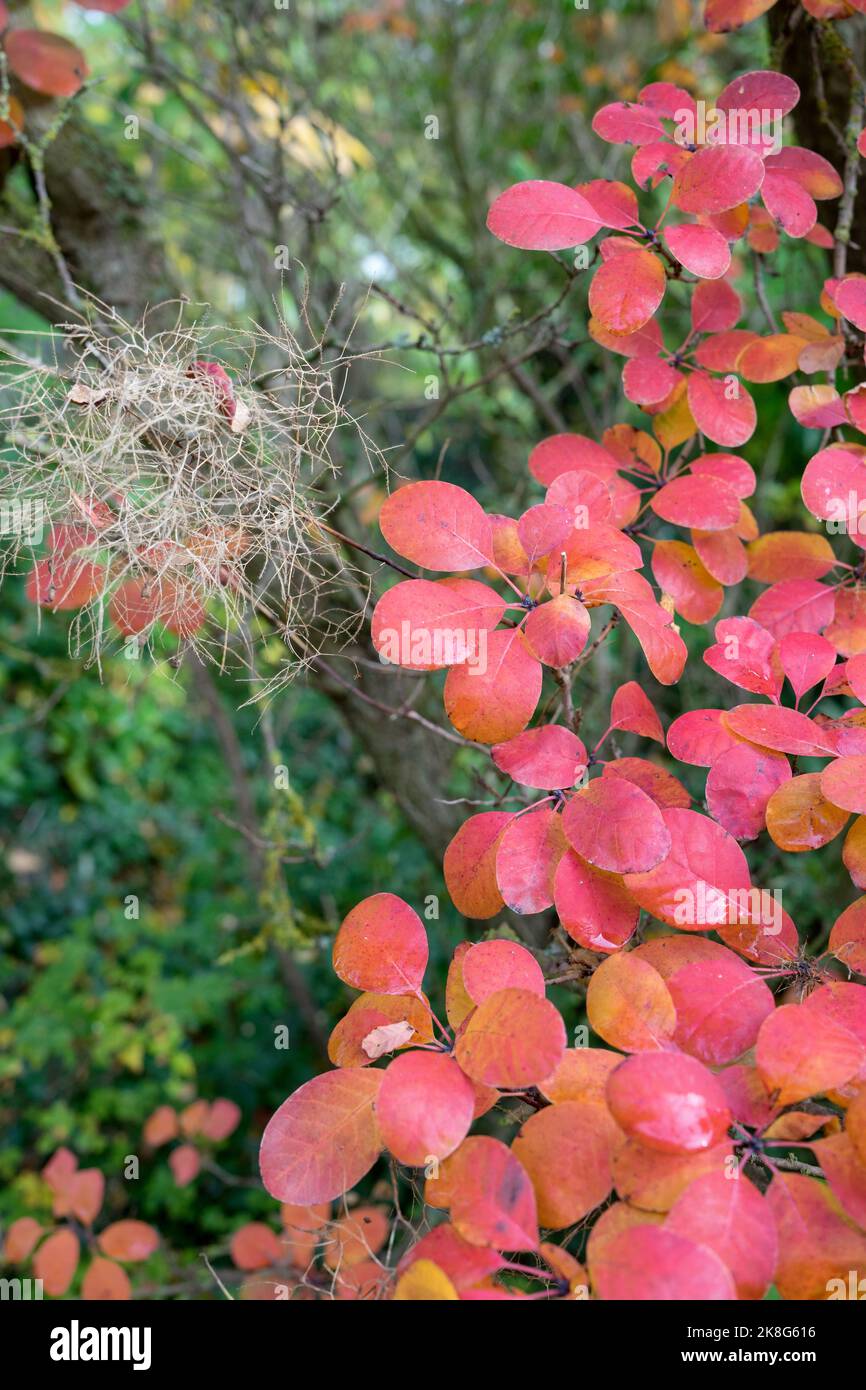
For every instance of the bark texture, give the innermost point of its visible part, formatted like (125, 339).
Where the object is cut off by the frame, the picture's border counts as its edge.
(813, 53)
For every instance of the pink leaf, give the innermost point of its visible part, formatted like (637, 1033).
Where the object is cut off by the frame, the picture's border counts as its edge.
(542, 216)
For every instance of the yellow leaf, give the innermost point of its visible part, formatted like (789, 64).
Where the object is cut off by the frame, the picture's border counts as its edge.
(425, 1282)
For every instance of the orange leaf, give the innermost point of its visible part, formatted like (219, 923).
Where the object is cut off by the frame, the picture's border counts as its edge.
(323, 1139)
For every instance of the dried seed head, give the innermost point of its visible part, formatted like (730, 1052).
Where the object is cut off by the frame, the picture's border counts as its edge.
(173, 491)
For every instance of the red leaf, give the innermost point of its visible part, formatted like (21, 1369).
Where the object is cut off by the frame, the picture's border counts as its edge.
(848, 937)
(795, 605)
(105, 1281)
(739, 786)
(783, 729)
(796, 1060)
(664, 649)
(84, 1195)
(700, 883)
(717, 178)
(702, 250)
(161, 1126)
(850, 299)
(745, 654)
(632, 710)
(492, 1198)
(566, 1150)
(494, 700)
(615, 826)
(627, 123)
(806, 659)
(542, 216)
(526, 861)
(490, 966)
(221, 1120)
(723, 409)
(128, 1240)
(56, 1261)
(679, 571)
(381, 946)
(844, 783)
(512, 1040)
(765, 94)
(424, 1107)
(650, 1263)
(731, 1218)
(587, 497)
(720, 1006)
(699, 737)
(593, 907)
(556, 632)
(719, 353)
(21, 1238)
(470, 864)
(626, 291)
(789, 204)
(667, 99)
(256, 1246)
(703, 501)
(550, 758)
(668, 1101)
(437, 525)
(562, 453)
(656, 161)
(185, 1164)
(323, 1139)
(629, 1005)
(542, 529)
(716, 307)
(722, 554)
(648, 380)
(614, 203)
(46, 62)
(424, 625)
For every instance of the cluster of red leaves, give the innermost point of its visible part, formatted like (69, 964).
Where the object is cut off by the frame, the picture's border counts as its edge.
(77, 1195)
(207, 1122)
(697, 385)
(704, 1075)
(68, 579)
(664, 1122)
(721, 16)
(315, 1254)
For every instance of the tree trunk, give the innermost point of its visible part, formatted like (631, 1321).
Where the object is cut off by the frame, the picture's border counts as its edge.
(813, 53)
